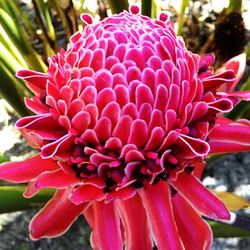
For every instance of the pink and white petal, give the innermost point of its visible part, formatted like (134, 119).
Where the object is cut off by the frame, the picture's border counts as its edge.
(88, 213)
(199, 197)
(243, 95)
(56, 179)
(188, 147)
(23, 171)
(36, 81)
(194, 231)
(34, 140)
(214, 81)
(86, 192)
(219, 147)
(229, 136)
(44, 125)
(133, 216)
(35, 105)
(123, 193)
(237, 64)
(56, 217)
(61, 146)
(31, 190)
(156, 200)
(106, 234)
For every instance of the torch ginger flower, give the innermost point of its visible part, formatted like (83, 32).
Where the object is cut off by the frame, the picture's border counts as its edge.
(124, 119)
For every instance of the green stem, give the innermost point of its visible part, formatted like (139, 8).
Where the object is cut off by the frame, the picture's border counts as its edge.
(181, 16)
(42, 14)
(118, 6)
(11, 198)
(234, 5)
(146, 7)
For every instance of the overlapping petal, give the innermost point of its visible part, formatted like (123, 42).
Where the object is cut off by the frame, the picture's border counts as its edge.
(124, 119)
(56, 217)
(157, 203)
(24, 171)
(230, 136)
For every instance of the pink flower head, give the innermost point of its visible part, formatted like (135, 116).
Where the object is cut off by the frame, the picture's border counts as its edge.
(124, 119)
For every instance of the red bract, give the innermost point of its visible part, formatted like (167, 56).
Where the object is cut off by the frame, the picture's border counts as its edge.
(125, 118)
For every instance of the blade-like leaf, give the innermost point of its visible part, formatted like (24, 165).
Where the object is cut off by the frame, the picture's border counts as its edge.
(67, 14)
(10, 92)
(3, 158)
(232, 201)
(11, 48)
(14, 10)
(45, 23)
(22, 43)
(226, 231)
(11, 198)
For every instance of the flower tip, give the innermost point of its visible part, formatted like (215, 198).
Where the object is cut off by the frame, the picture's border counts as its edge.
(164, 17)
(87, 18)
(22, 73)
(134, 9)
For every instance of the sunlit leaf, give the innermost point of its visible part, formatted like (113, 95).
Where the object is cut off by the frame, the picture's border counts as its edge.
(3, 158)
(20, 40)
(232, 201)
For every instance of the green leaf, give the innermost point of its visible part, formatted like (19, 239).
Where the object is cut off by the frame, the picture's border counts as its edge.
(14, 10)
(8, 45)
(45, 23)
(227, 231)
(239, 111)
(19, 38)
(11, 198)
(10, 90)
(67, 14)
(4, 158)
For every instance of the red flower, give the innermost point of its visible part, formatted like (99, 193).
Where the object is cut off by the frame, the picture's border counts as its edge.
(124, 119)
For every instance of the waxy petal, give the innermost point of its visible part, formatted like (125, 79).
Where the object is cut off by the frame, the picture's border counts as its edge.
(157, 203)
(56, 179)
(61, 146)
(195, 232)
(202, 199)
(86, 193)
(106, 233)
(23, 171)
(137, 234)
(189, 147)
(233, 133)
(36, 80)
(56, 217)
(138, 133)
(237, 64)
(44, 125)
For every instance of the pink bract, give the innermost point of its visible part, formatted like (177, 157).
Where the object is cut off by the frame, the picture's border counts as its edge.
(124, 119)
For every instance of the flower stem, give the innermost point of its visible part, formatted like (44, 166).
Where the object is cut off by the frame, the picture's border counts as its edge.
(146, 7)
(234, 5)
(181, 19)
